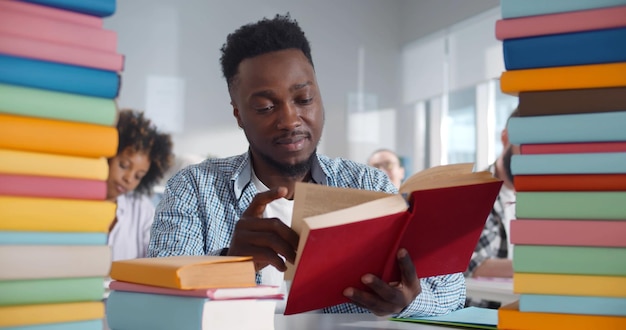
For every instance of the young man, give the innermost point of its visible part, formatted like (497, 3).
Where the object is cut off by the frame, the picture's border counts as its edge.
(388, 162)
(242, 205)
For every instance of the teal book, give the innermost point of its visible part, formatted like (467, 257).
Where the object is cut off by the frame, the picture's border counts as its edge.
(469, 317)
(575, 163)
(522, 8)
(51, 290)
(585, 127)
(573, 260)
(611, 306)
(41, 103)
(51, 238)
(598, 205)
(80, 325)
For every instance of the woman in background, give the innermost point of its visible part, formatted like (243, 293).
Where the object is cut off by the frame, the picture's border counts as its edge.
(143, 156)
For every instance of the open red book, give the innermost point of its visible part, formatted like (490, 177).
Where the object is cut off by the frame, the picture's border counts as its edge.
(346, 233)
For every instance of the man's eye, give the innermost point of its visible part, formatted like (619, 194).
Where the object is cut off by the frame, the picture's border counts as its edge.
(306, 101)
(265, 109)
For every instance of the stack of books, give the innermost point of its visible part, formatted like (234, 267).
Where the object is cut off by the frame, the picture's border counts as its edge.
(566, 59)
(59, 76)
(189, 292)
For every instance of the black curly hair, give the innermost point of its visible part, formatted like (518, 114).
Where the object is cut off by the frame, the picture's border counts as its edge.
(137, 132)
(265, 36)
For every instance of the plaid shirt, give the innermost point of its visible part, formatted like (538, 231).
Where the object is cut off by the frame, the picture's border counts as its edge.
(202, 203)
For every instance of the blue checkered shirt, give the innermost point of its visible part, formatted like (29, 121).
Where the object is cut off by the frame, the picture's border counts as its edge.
(202, 203)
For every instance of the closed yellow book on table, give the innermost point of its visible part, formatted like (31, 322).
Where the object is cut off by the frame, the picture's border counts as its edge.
(570, 285)
(509, 317)
(57, 136)
(55, 214)
(564, 77)
(38, 163)
(12, 316)
(187, 272)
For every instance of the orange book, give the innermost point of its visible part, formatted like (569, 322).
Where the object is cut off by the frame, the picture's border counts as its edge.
(57, 137)
(13, 316)
(570, 182)
(38, 163)
(570, 285)
(565, 77)
(509, 317)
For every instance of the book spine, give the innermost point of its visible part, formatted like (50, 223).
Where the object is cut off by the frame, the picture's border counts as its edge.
(569, 260)
(57, 137)
(35, 163)
(585, 20)
(568, 49)
(514, 319)
(58, 77)
(44, 291)
(567, 77)
(13, 316)
(570, 285)
(570, 182)
(60, 53)
(51, 238)
(587, 127)
(57, 215)
(518, 8)
(572, 101)
(569, 148)
(568, 232)
(99, 8)
(37, 27)
(572, 305)
(600, 205)
(51, 13)
(43, 186)
(583, 163)
(73, 325)
(32, 102)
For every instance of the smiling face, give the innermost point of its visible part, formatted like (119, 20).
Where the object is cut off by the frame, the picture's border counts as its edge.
(277, 102)
(126, 170)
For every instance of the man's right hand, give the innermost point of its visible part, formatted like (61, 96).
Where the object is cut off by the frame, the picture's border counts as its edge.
(265, 239)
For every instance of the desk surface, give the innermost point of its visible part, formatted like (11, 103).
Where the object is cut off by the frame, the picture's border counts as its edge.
(491, 289)
(309, 321)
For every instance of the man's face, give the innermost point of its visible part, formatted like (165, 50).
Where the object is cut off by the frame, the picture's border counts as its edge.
(277, 102)
(388, 163)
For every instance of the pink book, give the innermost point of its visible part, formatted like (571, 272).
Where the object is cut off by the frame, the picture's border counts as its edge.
(52, 13)
(60, 53)
(573, 148)
(51, 187)
(600, 233)
(24, 25)
(255, 292)
(576, 21)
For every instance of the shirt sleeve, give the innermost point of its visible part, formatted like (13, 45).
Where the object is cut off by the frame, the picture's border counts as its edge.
(177, 227)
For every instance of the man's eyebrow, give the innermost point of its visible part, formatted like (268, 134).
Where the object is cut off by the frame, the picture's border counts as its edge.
(300, 86)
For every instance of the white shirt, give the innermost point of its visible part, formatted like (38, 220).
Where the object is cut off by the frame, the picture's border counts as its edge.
(130, 236)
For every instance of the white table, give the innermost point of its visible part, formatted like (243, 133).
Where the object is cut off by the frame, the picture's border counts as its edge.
(491, 289)
(310, 321)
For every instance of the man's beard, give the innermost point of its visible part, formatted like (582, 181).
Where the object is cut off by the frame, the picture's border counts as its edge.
(506, 161)
(291, 170)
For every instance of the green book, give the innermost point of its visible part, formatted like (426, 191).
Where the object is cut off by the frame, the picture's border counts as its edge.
(469, 317)
(40, 103)
(54, 290)
(569, 260)
(598, 205)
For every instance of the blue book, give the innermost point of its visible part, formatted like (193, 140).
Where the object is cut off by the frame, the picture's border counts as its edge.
(51, 238)
(59, 77)
(80, 325)
(100, 8)
(587, 127)
(611, 306)
(470, 317)
(579, 48)
(578, 163)
(521, 8)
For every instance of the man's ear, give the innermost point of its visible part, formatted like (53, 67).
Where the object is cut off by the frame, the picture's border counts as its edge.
(236, 114)
(504, 137)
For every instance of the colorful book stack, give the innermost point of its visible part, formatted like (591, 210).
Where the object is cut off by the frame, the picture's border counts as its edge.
(59, 76)
(566, 59)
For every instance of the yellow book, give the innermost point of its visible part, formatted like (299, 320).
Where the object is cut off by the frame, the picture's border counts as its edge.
(187, 272)
(570, 285)
(22, 262)
(55, 214)
(509, 317)
(57, 136)
(565, 77)
(37, 163)
(12, 316)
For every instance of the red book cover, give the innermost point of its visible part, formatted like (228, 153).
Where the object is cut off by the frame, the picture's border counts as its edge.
(51, 187)
(569, 232)
(572, 148)
(570, 182)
